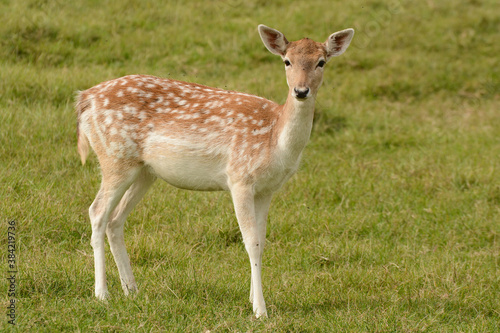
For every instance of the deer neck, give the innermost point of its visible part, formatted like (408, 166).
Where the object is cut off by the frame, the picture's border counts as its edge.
(294, 128)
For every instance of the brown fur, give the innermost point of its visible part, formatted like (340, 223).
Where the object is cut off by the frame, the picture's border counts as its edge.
(183, 110)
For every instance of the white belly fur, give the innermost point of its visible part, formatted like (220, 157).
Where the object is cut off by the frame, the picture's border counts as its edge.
(189, 173)
(187, 164)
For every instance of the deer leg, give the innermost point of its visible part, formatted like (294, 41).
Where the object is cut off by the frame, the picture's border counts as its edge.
(243, 200)
(261, 204)
(114, 229)
(112, 189)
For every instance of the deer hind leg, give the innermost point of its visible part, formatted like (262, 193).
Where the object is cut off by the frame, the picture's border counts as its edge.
(113, 186)
(243, 200)
(261, 204)
(115, 227)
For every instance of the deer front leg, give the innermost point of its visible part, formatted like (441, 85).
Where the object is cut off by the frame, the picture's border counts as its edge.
(243, 200)
(261, 204)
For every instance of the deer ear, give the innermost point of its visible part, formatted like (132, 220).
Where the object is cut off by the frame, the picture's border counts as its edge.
(338, 42)
(274, 40)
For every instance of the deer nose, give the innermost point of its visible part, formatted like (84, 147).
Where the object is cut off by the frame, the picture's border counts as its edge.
(301, 92)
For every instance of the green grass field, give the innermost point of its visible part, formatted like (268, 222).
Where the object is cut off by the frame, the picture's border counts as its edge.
(392, 223)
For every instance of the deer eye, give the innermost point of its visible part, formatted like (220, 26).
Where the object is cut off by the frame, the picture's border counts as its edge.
(321, 63)
(287, 63)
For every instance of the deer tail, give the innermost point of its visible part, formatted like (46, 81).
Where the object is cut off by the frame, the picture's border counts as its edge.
(82, 104)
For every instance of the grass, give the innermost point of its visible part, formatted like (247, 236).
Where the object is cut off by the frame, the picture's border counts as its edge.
(391, 224)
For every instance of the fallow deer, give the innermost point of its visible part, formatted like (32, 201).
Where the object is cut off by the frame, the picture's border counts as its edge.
(199, 138)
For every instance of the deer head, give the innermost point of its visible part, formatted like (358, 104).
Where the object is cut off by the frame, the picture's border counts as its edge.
(305, 59)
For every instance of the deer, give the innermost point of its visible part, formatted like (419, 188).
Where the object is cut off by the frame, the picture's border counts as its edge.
(199, 138)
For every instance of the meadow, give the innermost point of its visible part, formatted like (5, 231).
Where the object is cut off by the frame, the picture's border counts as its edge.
(392, 223)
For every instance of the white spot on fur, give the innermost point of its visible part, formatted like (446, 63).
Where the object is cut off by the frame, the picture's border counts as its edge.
(257, 145)
(261, 131)
(216, 119)
(143, 116)
(108, 120)
(130, 109)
